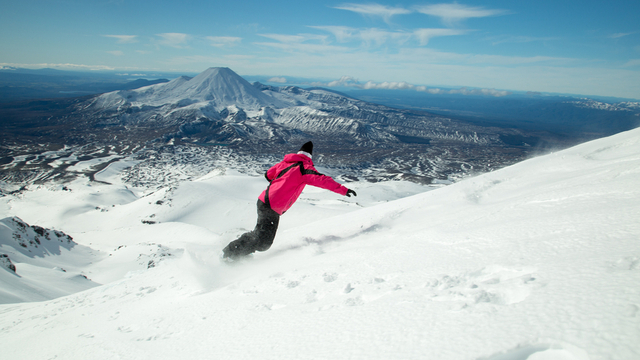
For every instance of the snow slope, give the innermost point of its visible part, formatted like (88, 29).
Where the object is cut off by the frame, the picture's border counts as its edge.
(49, 263)
(540, 260)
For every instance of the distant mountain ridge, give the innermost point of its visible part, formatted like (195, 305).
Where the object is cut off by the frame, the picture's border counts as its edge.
(219, 108)
(23, 84)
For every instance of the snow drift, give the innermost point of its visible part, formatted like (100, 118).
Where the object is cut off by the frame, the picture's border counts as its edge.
(540, 260)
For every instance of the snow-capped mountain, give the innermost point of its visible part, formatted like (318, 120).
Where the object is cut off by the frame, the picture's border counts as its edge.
(219, 110)
(539, 260)
(214, 89)
(219, 106)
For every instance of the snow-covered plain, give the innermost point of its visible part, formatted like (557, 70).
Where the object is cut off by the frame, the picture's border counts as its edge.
(540, 260)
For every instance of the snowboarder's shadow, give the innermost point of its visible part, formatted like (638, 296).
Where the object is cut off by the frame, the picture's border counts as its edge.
(328, 239)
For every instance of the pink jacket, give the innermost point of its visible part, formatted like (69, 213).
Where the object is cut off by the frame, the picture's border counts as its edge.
(289, 177)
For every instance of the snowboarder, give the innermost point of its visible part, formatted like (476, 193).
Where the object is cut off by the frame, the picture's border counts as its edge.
(286, 179)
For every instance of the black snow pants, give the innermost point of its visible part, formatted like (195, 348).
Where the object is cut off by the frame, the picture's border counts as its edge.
(260, 239)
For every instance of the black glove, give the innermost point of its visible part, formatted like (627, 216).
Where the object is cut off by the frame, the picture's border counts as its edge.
(349, 192)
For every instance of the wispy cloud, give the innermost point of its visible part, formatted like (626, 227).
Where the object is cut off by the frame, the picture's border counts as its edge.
(124, 39)
(378, 37)
(374, 36)
(620, 35)
(300, 43)
(176, 40)
(368, 37)
(632, 63)
(294, 38)
(424, 35)
(452, 14)
(223, 41)
(116, 53)
(377, 10)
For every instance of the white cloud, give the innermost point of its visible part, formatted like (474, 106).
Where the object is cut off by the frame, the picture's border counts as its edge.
(280, 80)
(348, 81)
(176, 40)
(124, 39)
(375, 36)
(424, 35)
(116, 53)
(452, 14)
(393, 85)
(382, 11)
(222, 41)
(344, 81)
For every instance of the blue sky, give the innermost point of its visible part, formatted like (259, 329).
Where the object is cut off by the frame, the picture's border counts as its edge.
(579, 47)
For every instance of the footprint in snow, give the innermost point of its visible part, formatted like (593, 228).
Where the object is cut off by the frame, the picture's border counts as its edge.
(495, 285)
(629, 263)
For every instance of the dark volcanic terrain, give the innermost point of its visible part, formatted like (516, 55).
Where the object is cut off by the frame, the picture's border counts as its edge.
(219, 119)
